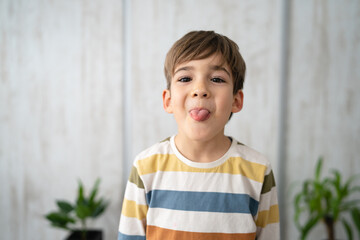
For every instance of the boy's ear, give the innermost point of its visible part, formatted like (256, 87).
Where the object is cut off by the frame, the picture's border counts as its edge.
(167, 101)
(238, 101)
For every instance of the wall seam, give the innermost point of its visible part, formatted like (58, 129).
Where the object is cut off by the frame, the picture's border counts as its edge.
(283, 114)
(126, 93)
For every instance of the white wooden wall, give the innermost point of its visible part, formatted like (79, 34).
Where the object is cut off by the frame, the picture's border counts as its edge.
(324, 100)
(65, 114)
(60, 106)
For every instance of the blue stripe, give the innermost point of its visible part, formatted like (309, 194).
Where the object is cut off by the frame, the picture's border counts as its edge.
(202, 201)
(122, 236)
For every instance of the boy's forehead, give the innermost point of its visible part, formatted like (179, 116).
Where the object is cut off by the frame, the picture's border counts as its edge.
(213, 62)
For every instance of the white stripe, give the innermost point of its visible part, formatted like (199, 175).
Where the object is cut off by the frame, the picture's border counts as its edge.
(268, 170)
(202, 182)
(270, 232)
(135, 194)
(268, 199)
(249, 154)
(201, 221)
(158, 148)
(132, 226)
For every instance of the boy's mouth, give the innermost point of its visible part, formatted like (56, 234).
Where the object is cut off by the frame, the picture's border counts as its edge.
(199, 114)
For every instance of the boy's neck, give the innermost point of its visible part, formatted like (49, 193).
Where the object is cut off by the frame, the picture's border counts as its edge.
(203, 151)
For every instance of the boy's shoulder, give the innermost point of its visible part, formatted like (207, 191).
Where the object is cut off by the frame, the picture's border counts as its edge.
(249, 154)
(162, 147)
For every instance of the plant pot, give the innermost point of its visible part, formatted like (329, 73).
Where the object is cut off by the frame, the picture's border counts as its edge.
(90, 235)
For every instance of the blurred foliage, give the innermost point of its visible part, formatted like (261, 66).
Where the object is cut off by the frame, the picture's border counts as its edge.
(327, 200)
(84, 208)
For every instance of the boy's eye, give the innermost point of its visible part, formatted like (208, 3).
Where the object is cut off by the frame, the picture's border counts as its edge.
(185, 79)
(217, 80)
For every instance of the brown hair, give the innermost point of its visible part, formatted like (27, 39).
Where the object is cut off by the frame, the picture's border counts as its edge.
(197, 45)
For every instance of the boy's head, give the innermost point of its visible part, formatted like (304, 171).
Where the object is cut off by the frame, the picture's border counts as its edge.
(197, 45)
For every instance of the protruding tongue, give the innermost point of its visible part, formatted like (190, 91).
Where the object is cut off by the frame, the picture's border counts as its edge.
(199, 114)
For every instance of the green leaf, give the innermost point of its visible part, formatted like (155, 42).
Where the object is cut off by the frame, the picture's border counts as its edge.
(298, 210)
(351, 179)
(82, 211)
(354, 189)
(309, 225)
(65, 206)
(59, 219)
(349, 205)
(348, 229)
(100, 208)
(98, 211)
(336, 179)
(81, 197)
(355, 214)
(94, 190)
(318, 168)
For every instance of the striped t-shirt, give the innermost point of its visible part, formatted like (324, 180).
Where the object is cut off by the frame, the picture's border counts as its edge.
(169, 197)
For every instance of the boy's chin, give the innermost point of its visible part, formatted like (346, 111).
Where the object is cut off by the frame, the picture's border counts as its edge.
(202, 135)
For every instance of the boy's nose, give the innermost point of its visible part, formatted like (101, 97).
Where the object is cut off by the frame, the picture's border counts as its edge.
(201, 93)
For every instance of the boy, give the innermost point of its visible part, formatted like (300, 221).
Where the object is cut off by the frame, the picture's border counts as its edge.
(201, 184)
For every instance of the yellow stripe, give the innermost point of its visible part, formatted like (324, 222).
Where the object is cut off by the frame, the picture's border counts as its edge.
(268, 216)
(134, 210)
(170, 163)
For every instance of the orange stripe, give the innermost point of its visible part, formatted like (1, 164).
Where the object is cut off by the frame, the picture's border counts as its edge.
(268, 216)
(155, 233)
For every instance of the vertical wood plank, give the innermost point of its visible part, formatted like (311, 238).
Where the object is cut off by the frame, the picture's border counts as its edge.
(61, 115)
(324, 110)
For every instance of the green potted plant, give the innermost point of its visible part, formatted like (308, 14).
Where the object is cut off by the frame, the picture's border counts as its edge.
(69, 215)
(327, 200)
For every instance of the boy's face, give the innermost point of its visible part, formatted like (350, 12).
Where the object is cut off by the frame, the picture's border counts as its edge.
(201, 98)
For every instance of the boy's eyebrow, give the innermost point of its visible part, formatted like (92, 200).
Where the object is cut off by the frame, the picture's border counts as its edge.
(186, 68)
(217, 67)
(212, 67)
